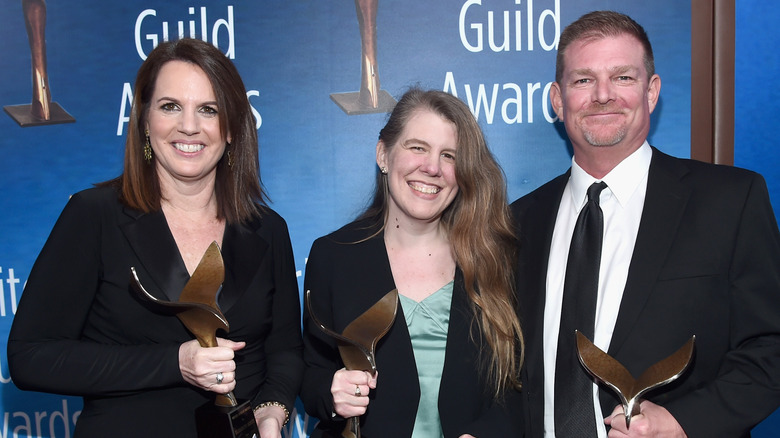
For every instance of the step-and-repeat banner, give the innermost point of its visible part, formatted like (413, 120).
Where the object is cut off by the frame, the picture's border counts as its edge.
(299, 60)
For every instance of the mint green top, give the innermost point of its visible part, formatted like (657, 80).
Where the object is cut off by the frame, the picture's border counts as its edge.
(428, 321)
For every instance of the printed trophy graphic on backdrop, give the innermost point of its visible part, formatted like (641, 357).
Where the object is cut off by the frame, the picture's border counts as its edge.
(605, 369)
(370, 98)
(42, 110)
(357, 343)
(197, 309)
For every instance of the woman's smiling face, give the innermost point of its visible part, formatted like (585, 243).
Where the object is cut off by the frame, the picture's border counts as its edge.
(421, 167)
(183, 124)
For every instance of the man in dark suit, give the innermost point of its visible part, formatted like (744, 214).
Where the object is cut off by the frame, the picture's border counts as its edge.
(687, 249)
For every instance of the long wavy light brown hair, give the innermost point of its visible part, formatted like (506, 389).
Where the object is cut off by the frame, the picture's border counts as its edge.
(479, 227)
(239, 191)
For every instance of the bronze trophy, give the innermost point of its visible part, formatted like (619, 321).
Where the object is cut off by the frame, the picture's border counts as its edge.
(42, 111)
(370, 98)
(605, 369)
(197, 309)
(357, 343)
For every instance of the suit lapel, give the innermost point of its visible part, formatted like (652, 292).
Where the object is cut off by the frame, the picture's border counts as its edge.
(665, 202)
(536, 215)
(536, 229)
(373, 263)
(244, 252)
(156, 251)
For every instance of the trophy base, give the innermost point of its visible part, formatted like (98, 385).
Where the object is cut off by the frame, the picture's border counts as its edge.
(24, 117)
(214, 421)
(348, 102)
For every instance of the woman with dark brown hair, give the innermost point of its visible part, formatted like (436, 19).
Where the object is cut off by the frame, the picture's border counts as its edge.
(190, 178)
(439, 232)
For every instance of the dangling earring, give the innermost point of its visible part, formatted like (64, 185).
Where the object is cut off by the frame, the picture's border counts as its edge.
(229, 157)
(383, 170)
(147, 149)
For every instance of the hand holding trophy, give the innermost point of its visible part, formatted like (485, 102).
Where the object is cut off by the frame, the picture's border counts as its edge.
(357, 343)
(197, 309)
(605, 369)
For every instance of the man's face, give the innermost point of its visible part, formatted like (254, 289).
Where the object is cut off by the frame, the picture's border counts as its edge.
(605, 97)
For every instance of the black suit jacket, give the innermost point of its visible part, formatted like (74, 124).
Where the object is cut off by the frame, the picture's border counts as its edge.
(345, 279)
(706, 263)
(81, 330)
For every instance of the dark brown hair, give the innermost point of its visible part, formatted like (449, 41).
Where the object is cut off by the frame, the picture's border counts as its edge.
(239, 191)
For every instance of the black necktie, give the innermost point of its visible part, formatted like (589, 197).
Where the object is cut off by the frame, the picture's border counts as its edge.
(574, 414)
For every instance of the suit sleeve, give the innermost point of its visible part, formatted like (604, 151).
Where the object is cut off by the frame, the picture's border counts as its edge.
(320, 352)
(283, 346)
(747, 388)
(46, 349)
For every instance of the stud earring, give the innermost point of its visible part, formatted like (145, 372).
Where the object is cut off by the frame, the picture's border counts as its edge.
(383, 170)
(147, 149)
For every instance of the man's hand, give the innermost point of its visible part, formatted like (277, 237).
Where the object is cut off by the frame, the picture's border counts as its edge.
(652, 421)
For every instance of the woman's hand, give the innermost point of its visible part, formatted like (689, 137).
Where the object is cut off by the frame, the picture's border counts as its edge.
(269, 421)
(212, 369)
(350, 392)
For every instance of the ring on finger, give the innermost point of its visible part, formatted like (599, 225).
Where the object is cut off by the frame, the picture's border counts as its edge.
(357, 391)
(220, 378)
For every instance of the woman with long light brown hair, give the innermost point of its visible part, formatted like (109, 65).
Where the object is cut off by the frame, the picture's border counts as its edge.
(438, 231)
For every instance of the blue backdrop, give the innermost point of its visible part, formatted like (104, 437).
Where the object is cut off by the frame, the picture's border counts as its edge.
(755, 141)
(317, 163)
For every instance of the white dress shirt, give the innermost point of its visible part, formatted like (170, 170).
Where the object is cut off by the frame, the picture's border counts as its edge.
(621, 203)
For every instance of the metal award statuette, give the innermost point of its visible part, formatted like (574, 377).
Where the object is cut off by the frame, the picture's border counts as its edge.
(613, 374)
(197, 309)
(357, 343)
(370, 98)
(42, 110)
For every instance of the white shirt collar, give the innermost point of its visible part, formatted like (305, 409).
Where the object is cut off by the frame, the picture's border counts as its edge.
(622, 181)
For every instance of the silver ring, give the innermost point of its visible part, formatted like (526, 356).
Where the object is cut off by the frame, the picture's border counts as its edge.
(357, 391)
(220, 377)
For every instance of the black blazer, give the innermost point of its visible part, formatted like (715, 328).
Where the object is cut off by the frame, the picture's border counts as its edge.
(345, 279)
(80, 329)
(706, 263)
